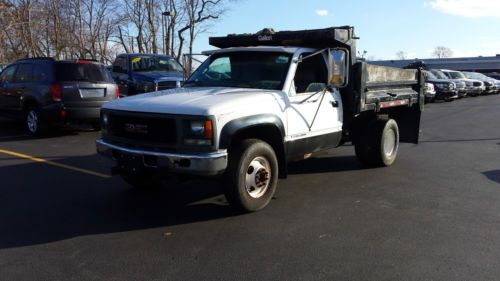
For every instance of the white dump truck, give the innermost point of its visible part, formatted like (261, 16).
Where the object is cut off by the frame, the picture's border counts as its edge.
(259, 102)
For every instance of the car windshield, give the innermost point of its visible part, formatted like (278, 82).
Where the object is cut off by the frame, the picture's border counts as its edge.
(439, 74)
(82, 71)
(456, 75)
(155, 63)
(258, 70)
(474, 75)
(429, 75)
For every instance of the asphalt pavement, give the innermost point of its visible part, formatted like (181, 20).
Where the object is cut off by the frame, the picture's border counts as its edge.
(434, 215)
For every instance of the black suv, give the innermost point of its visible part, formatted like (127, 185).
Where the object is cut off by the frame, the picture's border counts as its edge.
(42, 92)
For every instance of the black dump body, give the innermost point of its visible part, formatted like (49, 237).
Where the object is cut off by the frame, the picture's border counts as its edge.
(372, 90)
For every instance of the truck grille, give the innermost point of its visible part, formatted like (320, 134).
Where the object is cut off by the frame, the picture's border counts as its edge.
(142, 129)
(167, 85)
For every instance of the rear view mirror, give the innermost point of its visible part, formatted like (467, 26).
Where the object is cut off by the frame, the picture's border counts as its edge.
(338, 67)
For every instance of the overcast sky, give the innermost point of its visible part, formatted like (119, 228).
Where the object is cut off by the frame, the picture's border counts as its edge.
(468, 27)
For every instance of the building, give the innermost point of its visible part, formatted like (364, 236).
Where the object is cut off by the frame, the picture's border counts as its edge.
(478, 64)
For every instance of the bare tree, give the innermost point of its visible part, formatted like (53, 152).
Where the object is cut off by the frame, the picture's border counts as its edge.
(401, 55)
(98, 29)
(442, 52)
(199, 14)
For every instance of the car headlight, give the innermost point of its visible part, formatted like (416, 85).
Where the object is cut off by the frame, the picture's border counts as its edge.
(198, 132)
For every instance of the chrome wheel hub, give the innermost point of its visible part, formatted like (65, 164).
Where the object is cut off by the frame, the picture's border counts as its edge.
(32, 121)
(389, 142)
(258, 177)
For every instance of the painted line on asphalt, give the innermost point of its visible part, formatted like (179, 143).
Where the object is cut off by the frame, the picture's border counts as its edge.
(59, 165)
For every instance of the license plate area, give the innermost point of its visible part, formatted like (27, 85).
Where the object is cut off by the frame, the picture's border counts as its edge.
(129, 162)
(92, 93)
(132, 162)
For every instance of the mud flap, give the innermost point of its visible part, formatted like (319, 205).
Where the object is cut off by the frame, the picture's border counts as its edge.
(408, 120)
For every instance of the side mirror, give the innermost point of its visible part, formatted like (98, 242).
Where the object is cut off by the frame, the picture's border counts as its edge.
(338, 67)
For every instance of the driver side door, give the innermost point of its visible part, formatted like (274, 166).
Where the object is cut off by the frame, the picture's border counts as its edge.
(314, 115)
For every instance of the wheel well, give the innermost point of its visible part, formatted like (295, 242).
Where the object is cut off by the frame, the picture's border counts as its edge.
(269, 134)
(28, 103)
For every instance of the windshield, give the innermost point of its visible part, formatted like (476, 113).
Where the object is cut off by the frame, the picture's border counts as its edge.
(429, 75)
(258, 70)
(439, 74)
(83, 71)
(474, 75)
(155, 63)
(456, 75)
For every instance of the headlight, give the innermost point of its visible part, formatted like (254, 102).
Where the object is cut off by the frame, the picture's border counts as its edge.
(198, 132)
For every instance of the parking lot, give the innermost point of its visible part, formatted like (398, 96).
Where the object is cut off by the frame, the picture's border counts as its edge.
(434, 215)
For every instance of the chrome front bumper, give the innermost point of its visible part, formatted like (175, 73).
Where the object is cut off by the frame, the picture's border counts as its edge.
(209, 164)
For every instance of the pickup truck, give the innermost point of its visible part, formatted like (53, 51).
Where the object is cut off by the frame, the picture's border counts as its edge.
(142, 73)
(259, 102)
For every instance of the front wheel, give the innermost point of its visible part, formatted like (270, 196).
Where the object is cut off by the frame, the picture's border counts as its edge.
(252, 175)
(378, 144)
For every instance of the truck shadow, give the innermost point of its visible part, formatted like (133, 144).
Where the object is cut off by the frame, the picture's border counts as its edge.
(325, 165)
(493, 175)
(42, 204)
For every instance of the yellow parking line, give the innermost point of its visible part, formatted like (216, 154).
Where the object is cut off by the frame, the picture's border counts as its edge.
(48, 162)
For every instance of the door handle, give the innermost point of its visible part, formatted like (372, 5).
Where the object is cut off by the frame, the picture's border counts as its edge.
(335, 103)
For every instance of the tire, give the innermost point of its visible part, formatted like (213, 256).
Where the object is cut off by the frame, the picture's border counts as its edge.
(378, 144)
(141, 180)
(251, 163)
(34, 123)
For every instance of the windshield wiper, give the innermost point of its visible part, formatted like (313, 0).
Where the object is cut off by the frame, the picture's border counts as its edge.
(193, 82)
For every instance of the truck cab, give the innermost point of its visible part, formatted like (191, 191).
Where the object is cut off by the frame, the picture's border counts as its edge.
(258, 103)
(143, 73)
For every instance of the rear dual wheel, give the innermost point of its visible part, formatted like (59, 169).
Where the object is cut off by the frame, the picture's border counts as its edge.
(378, 143)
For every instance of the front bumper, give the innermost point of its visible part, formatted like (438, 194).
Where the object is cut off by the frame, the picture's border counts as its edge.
(207, 164)
(446, 94)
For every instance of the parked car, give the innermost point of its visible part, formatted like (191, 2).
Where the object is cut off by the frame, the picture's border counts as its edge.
(496, 77)
(460, 84)
(489, 83)
(474, 87)
(43, 91)
(445, 89)
(143, 73)
(429, 92)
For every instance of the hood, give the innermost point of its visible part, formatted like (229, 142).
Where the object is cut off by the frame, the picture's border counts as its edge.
(158, 76)
(194, 100)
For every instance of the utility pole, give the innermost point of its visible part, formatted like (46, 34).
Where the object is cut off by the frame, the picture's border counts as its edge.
(166, 38)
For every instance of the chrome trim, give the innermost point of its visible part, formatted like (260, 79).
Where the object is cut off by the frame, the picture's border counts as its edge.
(207, 164)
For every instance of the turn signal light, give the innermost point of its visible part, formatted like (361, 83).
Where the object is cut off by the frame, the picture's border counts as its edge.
(209, 130)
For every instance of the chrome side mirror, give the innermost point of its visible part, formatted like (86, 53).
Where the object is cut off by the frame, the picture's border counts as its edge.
(338, 67)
